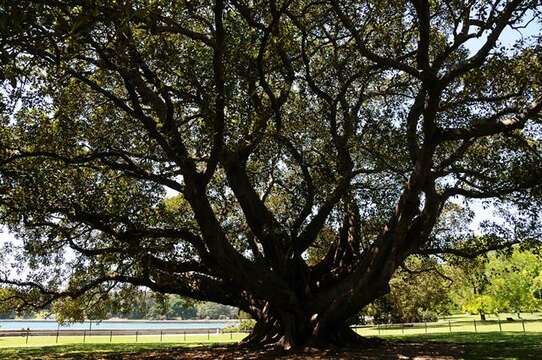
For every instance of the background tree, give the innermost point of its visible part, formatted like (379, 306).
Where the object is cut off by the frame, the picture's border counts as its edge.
(513, 281)
(267, 122)
(503, 282)
(209, 310)
(471, 282)
(419, 291)
(6, 308)
(181, 308)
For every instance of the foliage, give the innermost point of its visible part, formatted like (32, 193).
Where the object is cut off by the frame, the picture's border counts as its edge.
(282, 157)
(209, 310)
(419, 292)
(503, 282)
(244, 326)
(133, 303)
(6, 309)
(181, 308)
(513, 281)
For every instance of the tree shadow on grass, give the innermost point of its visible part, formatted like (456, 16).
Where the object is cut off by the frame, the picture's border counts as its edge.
(468, 346)
(506, 345)
(80, 351)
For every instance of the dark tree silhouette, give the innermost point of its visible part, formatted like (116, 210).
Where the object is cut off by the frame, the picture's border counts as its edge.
(205, 148)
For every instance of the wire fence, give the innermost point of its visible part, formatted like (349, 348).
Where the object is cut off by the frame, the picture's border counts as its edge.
(474, 326)
(219, 335)
(62, 336)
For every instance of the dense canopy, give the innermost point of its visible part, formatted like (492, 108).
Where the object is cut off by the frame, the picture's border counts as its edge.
(281, 156)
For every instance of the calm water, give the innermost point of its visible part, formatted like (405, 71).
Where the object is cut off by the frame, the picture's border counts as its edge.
(114, 325)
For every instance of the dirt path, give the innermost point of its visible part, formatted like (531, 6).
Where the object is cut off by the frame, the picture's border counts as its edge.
(392, 350)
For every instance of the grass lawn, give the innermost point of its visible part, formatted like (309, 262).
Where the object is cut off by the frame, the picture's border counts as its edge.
(80, 351)
(72, 347)
(489, 342)
(40, 341)
(506, 345)
(530, 323)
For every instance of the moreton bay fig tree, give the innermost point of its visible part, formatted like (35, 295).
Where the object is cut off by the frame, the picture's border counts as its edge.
(281, 156)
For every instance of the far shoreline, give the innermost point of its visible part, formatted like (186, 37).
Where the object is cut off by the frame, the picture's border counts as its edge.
(126, 320)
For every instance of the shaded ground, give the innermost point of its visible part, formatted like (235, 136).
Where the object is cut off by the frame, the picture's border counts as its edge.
(391, 350)
(395, 350)
(442, 346)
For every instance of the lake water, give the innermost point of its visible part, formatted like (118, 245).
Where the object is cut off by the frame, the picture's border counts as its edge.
(115, 324)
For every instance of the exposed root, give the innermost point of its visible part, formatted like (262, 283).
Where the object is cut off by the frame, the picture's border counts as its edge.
(268, 337)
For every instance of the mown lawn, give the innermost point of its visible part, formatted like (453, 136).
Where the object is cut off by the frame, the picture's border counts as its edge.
(42, 341)
(430, 341)
(493, 345)
(529, 323)
(506, 345)
(81, 351)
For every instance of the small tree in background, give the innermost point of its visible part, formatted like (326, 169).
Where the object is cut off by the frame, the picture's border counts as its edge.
(500, 283)
(419, 292)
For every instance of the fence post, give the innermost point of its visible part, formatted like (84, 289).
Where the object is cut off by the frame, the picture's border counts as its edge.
(425, 323)
(137, 333)
(84, 336)
(111, 336)
(450, 326)
(208, 334)
(402, 329)
(27, 335)
(231, 334)
(475, 330)
(378, 327)
(161, 335)
(523, 324)
(500, 327)
(184, 335)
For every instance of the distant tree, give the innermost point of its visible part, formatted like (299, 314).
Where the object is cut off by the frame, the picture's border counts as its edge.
(470, 284)
(210, 310)
(502, 282)
(180, 307)
(419, 292)
(159, 306)
(537, 290)
(481, 304)
(6, 308)
(201, 148)
(513, 281)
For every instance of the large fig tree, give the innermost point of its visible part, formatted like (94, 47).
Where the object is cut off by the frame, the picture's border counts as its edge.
(281, 156)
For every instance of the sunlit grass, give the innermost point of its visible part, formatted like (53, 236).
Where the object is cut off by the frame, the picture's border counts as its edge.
(509, 341)
(529, 322)
(21, 341)
(493, 345)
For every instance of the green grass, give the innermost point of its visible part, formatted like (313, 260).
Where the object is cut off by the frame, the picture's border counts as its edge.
(461, 324)
(506, 345)
(458, 327)
(72, 347)
(81, 351)
(487, 343)
(39, 341)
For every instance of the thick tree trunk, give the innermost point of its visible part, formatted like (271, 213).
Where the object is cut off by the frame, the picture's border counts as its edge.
(297, 331)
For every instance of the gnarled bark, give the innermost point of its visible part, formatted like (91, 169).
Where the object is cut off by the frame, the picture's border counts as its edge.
(299, 330)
